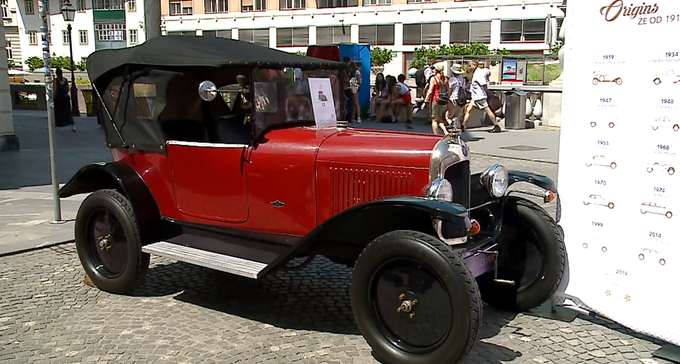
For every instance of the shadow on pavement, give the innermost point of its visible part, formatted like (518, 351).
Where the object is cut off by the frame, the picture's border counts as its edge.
(316, 298)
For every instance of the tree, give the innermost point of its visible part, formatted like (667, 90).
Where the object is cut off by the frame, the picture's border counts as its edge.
(82, 65)
(555, 47)
(301, 53)
(10, 64)
(34, 63)
(380, 56)
(423, 54)
(63, 62)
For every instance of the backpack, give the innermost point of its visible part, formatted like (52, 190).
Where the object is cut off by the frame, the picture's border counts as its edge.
(463, 96)
(443, 93)
(420, 78)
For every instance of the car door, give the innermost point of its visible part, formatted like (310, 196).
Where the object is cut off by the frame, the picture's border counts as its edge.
(210, 179)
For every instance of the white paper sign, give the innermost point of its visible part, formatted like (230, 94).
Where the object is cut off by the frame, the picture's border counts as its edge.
(323, 104)
(619, 151)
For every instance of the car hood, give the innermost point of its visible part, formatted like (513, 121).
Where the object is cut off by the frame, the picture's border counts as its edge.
(384, 148)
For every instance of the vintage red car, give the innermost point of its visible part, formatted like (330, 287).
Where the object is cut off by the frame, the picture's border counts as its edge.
(220, 160)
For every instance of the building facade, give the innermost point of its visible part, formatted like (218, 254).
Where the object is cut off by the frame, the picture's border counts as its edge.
(98, 24)
(398, 25)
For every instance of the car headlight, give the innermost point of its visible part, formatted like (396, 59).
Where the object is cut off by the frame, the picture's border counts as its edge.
(440, 189)
(495, 180)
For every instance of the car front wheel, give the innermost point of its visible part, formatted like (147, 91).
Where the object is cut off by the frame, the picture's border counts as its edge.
(414, 300)
(109, 244)
(531, 253)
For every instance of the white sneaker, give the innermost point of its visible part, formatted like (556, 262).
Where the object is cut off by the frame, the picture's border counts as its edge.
(358, 120)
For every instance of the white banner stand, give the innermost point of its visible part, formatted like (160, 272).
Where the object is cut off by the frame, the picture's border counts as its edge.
(619, 149)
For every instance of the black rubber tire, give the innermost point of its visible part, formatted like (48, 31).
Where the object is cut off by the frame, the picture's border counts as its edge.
(455, 276)
(522, 213)
(137, 262)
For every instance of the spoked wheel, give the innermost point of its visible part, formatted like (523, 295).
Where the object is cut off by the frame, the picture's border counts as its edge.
(108, 242)
(531, 253)
(414, 300)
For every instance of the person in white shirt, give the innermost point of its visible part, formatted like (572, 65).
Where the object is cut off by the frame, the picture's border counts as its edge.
(356, 82)
(480, 78)
(456, 85)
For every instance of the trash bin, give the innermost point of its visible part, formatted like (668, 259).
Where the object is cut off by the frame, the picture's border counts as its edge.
(89, 102)
(515, 109)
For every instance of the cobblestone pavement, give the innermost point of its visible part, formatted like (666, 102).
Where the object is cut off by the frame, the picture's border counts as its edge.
(187, 314)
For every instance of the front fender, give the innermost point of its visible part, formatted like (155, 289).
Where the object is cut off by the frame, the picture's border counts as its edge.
(479, 196)
(121, 177)
(352, 229)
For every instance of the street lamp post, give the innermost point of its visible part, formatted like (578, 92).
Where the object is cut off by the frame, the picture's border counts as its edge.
(69, 13)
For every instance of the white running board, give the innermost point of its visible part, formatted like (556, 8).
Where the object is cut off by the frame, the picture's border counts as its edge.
(224, 263)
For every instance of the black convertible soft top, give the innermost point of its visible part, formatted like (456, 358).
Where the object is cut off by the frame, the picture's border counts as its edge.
(198, 51)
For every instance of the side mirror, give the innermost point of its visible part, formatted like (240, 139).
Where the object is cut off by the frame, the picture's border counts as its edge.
(207, 91)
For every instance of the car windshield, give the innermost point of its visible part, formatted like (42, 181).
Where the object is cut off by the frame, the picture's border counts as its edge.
(292, 96)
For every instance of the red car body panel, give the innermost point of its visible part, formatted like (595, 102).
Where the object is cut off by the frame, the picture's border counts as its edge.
(290, 183)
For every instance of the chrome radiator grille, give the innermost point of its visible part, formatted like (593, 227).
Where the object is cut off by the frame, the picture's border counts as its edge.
(458, 175)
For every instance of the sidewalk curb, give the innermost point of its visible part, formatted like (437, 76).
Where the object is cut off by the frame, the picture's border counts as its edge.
(14, 249)
(515, 158)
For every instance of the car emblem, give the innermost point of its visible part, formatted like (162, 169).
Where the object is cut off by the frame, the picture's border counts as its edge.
(465, 148)
(277, 203)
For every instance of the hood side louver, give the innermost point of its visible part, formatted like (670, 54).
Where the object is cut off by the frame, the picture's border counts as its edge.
(352, 186)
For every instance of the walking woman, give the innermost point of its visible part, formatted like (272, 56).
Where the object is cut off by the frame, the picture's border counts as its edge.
(438, 96)
(62, 102)
(356, 82)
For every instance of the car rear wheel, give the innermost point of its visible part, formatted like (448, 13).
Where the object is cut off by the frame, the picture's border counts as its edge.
(414, 300)
(531, 253)
(109, 243)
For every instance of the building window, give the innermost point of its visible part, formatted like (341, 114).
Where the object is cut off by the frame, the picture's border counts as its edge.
(336, 3)
(65, 38)
(28, 5)
(5, 9)
(420, 1)
(257, 36)
(253, 5)
(82, 37)
(108, 4)
(133, 36)
(523, 30)
(328, 35)
(110, 32)
(427, 33)
(33, 38)
(292, 4)
(470, 32)
(216, 6)
(80, 5)
(8, 49)
(376, 34)
(132, 5)
(377, 2)
(292, 37)
(181, 7)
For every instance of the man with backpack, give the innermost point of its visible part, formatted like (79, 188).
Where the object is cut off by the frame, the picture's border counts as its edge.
(459, 95)
(478, 90)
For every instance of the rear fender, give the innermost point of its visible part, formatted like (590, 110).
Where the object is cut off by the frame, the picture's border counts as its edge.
(121, 177)
(347, 233)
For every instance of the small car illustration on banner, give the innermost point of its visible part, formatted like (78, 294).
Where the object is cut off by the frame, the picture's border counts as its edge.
(670, 74)
(598, 78)
(641, 256)
(612, 165)
(610, 124)
(666, 167)
(653, 205)
(598, 203)
(664, 122)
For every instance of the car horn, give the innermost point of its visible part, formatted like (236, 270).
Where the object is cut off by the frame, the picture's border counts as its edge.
(243, 90)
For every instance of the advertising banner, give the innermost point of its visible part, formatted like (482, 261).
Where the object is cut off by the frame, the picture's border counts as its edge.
(619, 151)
